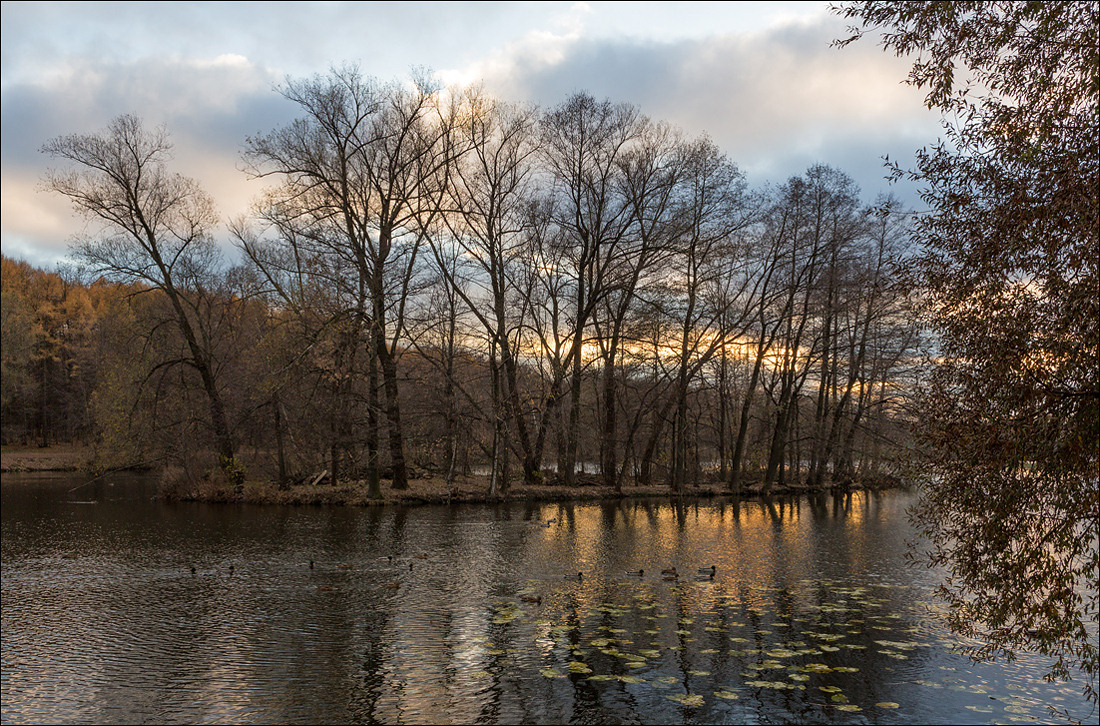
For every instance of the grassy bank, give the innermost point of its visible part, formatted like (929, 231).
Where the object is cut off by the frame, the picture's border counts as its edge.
(61, 457)
(434, 490)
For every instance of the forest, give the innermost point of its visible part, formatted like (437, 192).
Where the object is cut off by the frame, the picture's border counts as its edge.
(439, 283)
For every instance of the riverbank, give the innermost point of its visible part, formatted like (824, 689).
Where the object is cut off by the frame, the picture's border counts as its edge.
(62, 457)
(426, 489)
(464, 489)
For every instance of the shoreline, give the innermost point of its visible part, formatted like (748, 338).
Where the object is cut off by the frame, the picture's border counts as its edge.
(472, 489)
(475, 490)
(60, 457)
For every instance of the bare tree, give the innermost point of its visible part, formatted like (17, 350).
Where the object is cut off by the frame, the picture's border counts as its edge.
(155, 230)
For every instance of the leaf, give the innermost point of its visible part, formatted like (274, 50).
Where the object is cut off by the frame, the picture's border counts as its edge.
(551, 673)
(728, 695)
(887, 704)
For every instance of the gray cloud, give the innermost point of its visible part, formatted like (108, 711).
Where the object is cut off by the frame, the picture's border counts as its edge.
(776, 101)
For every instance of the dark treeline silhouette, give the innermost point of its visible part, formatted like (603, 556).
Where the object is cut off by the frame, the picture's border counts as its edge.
(436, 280)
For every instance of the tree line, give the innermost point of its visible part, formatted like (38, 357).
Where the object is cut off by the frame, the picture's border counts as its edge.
(438, 280)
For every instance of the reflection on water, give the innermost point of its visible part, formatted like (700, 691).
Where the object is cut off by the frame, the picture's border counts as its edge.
(477, 614)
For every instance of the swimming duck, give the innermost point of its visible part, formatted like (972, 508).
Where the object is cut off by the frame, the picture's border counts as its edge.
(708, 571)
(668, 571)
(536, 599)
(391, 585)
(636, 573)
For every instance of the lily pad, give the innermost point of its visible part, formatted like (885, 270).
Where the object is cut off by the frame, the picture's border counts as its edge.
(551, 673)
(692, 700)
(728, 695)
(887, 704)
(848, 707)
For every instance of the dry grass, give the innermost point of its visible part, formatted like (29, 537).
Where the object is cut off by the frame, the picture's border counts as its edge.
(63, 457)
(434, 490)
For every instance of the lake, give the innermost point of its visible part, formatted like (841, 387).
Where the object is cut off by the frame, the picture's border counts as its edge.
(477, 614)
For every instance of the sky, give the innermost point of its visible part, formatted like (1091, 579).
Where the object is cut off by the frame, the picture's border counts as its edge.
(760, 78)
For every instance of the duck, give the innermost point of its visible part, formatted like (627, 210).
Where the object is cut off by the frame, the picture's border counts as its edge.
(391, 585)
(636, 573)
(668, 571)
(193, 570)
(708, 571)
(536, 599)
(311, 564)
(344, 566)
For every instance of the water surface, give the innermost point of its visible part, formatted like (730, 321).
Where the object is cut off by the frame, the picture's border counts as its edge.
(476, 614)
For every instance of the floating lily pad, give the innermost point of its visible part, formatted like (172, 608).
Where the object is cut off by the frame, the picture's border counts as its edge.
(728, 695)
(798, 677)
(551, 673)
(848, 707)
(603, 677)
(631, 679)
(692, 700)
(829, 689)
(887, 704)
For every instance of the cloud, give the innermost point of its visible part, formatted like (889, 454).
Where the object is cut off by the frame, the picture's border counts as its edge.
(776, 100)
(771, 99)
(209, 107)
